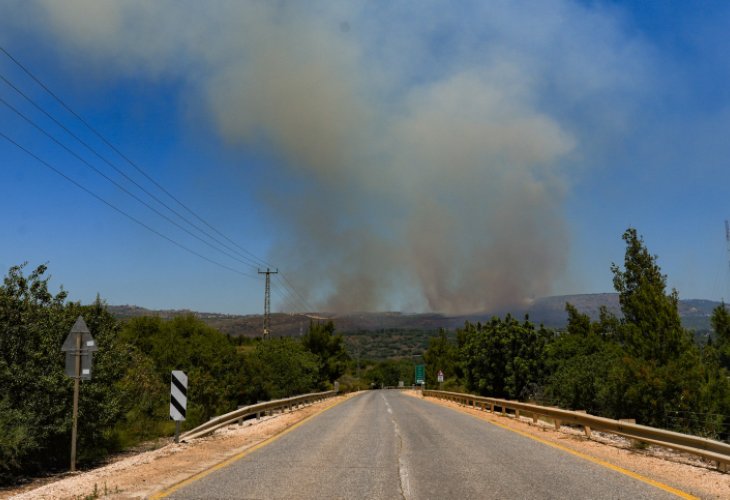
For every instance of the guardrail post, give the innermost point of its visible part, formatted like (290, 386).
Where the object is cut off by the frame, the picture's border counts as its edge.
(534, 418)
(557, 424)
(258, 415)
(587, 430)
(517, 414)
(491, 407)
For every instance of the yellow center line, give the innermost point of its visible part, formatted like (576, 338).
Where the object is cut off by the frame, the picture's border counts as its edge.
(608, 465)
(200, 475)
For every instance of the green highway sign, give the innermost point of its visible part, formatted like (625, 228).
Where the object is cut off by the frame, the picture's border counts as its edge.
(420, 374)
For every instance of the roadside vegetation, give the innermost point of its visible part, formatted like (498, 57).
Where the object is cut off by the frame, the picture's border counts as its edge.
(642, 365)
(127, 399)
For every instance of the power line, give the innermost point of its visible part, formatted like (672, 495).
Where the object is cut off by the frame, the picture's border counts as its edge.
(119, 186)
(248, 260)
(125, 157)
(119, 210)
(249, 257)
(294, 296)
(288, 296)
(289, 285)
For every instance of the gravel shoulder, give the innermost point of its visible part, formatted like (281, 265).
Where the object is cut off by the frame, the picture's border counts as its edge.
(144, 474)
(682, 471)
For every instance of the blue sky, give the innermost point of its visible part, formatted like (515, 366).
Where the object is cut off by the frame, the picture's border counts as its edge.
(383, 156)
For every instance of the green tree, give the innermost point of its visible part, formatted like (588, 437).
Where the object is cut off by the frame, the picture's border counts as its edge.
(585, 365)
(215, 370)
(503, 358)
(663, 366)
(442, 354)
(720, 322)
(389, 372)
(330, 350)
(35, 393)
(652, 329)
(279, 368)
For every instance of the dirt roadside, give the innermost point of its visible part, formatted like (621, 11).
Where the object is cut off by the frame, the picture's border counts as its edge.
(143, 474)
(682, 471)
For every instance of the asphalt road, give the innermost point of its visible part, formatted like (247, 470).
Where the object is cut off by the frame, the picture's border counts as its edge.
(384, 444)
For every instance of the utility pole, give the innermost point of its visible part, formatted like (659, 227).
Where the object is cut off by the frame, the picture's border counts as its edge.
(267, 301)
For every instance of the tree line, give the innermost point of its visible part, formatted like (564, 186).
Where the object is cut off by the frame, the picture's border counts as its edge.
(127, 399)
(642, 365)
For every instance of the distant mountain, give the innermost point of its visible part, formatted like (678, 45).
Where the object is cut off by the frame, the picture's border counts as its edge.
(549, 311)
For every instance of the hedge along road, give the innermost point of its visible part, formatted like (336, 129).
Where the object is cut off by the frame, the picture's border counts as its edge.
(383, 444)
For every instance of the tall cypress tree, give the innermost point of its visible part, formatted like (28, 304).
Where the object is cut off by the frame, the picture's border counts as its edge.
(720, 322)
(652, 328)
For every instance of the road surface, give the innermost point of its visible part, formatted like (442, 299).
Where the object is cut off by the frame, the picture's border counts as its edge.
(385, 444)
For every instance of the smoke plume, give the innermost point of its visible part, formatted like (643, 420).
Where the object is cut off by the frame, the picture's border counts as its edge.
(427, 150)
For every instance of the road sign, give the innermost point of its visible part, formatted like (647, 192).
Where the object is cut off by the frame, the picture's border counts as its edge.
(178, 395)
(420, 374)
(178, 399)
(83, 349)
(79, 347)
(440, 376)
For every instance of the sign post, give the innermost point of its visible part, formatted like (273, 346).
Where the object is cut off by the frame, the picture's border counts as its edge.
(79, 347)
(178, 399)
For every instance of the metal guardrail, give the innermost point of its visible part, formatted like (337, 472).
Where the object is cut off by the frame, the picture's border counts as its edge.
(257, 409)
(708, 449)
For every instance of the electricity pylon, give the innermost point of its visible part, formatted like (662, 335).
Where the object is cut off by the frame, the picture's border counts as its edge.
(267, 301)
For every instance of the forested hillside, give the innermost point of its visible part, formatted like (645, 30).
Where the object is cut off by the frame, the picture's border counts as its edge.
(549, 311)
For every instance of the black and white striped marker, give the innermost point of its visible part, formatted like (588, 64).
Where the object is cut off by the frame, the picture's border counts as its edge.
(178, 395)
